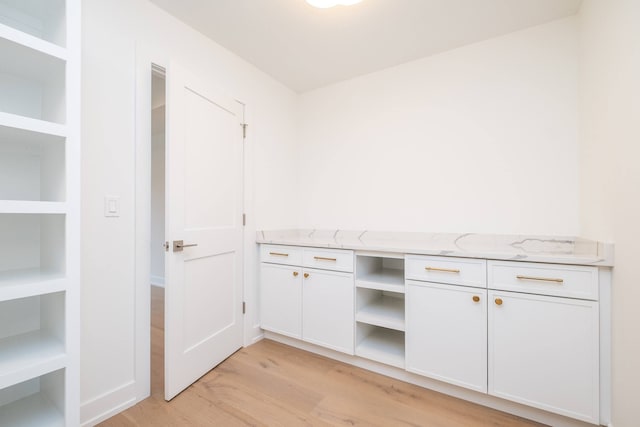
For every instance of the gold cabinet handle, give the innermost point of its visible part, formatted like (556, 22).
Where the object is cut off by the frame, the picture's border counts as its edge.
(540, 279)
(306, 275)
(498, 301)
(295, 274)
(277, 254)
(319, 258)
(444, 270)
(476, 298)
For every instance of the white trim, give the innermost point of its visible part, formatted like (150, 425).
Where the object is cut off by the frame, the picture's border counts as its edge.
(108, 404)
(428, 383)
(604, 278)
(144, 58)
(157, 281)
(251, 249)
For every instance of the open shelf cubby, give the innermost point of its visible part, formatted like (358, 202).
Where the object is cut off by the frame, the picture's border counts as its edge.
(32, 338)
(380, 344)
(380, 308)
(32, 84)
(378, 272)
(37, 402)
(31, 167)
(44, 19)
(32, 255)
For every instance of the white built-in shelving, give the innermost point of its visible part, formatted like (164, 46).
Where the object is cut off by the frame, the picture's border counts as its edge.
(37, 402)
(380, 311)
(380, 344)
(39, 212)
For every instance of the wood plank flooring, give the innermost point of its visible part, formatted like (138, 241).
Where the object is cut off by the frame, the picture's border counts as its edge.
(271, 384)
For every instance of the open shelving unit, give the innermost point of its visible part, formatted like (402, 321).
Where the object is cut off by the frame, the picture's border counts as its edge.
(381, 273)
(380, 312)
(38, 401)
(39, 212)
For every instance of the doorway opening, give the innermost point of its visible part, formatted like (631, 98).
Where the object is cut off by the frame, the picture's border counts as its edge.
(157, 231)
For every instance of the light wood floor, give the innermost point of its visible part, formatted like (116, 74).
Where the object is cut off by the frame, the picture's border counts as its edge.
(270, 384)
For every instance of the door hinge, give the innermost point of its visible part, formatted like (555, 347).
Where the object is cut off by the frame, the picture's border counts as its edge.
(244, 307)
(244, 219)
(244, 130)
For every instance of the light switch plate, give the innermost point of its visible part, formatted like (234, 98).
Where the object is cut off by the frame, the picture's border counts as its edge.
(111, 206)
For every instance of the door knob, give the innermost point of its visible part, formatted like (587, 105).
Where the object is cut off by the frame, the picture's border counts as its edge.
(178, 245)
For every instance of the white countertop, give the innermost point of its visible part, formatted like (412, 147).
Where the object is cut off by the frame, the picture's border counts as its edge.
(550, 249)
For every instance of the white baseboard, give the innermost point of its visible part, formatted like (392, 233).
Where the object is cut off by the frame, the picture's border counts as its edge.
(157, 281)
(108, 404)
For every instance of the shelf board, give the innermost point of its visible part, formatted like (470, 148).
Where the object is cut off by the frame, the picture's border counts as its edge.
(32, 207)
(386, 279)
(28, 282)
(384, 346)
(32, 42)
(14, 127)
(29, 355)
(386, 311)
(27, 62)
(31, 411)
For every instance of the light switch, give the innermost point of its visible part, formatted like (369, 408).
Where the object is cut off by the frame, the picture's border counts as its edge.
(111, 206)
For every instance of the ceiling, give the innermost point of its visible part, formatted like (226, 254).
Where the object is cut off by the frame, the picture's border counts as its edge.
(306, 48)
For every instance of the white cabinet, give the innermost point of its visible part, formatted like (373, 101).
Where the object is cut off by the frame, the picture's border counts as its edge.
(520, 331)
(39, 212)
(447, 333)
(327, 309)
(312, 304)
(543, 352)
(281, 299)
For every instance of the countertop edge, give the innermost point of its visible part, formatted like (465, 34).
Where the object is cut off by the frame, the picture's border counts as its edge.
(603, 259)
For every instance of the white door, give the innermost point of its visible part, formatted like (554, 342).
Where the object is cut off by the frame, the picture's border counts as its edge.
(447, 333)
(203, 307)
(327, 309)
(281, 299)
(543, 352)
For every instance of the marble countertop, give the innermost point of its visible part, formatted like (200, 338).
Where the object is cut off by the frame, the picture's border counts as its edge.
(549, 249)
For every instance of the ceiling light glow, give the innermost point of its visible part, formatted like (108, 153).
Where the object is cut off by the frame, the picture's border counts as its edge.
(324, 4)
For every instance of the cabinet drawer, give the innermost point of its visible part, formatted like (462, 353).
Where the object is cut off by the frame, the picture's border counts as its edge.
(455, 271)
(276, 254)
(544, 279)
(328, 259)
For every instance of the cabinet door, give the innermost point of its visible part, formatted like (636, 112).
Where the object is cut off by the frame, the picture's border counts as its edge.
(281, 299)
(328, 309)
(447, 333)
(543, 352)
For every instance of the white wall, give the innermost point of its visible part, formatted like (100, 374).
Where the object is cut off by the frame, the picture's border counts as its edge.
(111, 30)
(609, 154)
(478, 139)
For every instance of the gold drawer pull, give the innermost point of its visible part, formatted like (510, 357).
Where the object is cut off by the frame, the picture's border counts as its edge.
(306, 275)
(277, 254)
(444, 270)
(295, 274)
(498, 301)
(540, 279)
(476, 298)
(319, 258)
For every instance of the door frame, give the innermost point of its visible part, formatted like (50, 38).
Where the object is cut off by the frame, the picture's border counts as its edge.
(145, 59)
